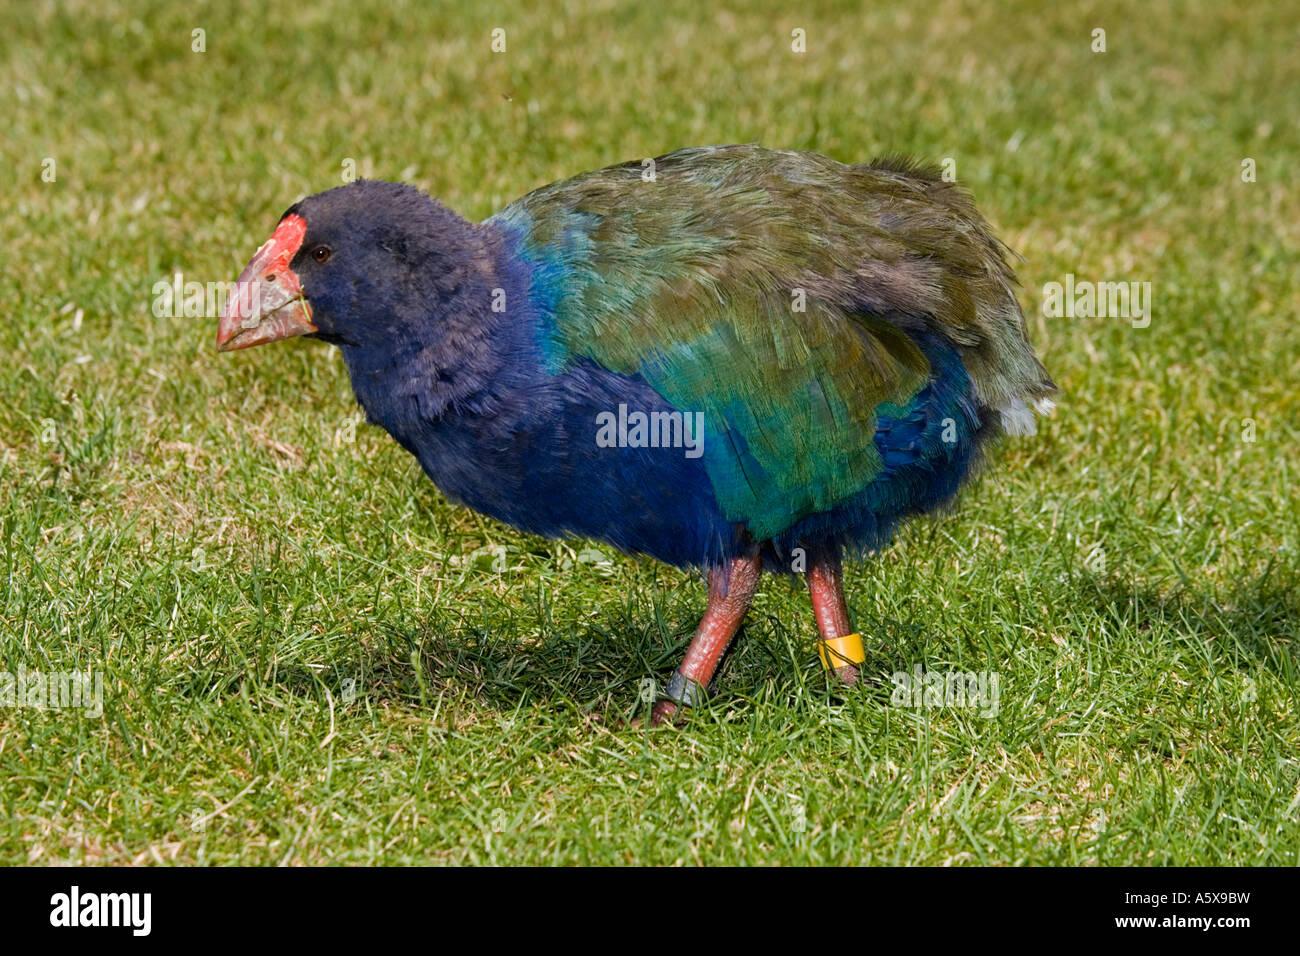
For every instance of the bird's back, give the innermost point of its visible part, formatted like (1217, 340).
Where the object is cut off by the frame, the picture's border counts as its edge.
(849, 333)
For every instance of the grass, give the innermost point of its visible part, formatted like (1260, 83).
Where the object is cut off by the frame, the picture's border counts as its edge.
(309, 656)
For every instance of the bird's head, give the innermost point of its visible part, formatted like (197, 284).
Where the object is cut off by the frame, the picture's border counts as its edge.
(348, 266)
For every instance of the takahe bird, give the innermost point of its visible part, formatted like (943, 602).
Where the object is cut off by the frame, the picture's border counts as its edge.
(733, 358)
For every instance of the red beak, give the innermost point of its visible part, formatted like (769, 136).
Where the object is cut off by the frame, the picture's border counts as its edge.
(268, 303)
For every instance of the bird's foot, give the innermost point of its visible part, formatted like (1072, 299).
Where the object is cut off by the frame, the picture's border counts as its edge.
(681, 694)
(848, 675)
(666, 712)
(731, 590)
(840, 647)
(663, 713)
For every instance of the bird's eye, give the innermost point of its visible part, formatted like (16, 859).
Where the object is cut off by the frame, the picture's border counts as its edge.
(320, 253)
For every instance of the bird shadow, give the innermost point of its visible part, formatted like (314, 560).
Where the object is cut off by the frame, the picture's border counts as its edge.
(612, 662)
(1253, 625)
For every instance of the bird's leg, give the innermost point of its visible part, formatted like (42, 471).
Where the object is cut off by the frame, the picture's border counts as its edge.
(840, 647)
(731, 591)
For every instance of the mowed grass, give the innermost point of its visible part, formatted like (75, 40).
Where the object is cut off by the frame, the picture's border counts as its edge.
(309, 656)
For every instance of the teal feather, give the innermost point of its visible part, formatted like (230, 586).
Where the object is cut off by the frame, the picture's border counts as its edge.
(788, 298)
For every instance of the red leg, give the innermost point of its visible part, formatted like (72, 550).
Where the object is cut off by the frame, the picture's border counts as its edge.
(731, 591)
(826, 588)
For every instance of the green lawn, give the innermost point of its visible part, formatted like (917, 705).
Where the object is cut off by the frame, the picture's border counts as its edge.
(309, 656)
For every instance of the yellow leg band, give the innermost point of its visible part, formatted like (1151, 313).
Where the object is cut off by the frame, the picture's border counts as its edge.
(841, 651)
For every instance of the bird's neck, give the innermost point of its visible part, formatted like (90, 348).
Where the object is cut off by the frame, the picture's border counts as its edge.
(460, 335)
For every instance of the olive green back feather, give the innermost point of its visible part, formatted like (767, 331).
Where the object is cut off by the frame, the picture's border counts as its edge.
(770, 290)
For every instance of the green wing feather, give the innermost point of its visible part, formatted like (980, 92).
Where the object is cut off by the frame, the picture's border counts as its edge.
(757, 286)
